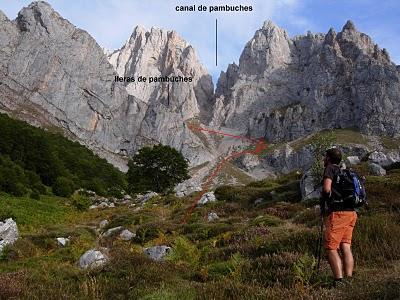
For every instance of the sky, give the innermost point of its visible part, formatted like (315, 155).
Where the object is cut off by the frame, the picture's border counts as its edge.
(111, 22)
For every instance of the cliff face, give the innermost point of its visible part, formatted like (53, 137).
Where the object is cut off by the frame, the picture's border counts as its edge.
(53, 74)
(286, 88)
(166, 107)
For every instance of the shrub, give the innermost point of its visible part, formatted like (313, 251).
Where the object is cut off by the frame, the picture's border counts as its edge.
(266, 220)
(183, 251)
(81, 202)
(35, 195)
(63, 187)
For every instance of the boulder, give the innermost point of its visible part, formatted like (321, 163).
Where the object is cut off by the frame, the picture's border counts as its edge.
(308, 188)
(92, 258)
(8, 233)
(157, 253)
(259, 201)
(352, 160)
(212, 216)
(379, 158)
(103, 223)
(127, 197)
(62, 242)
(146, 197)
(112, 231)
(127, 235)
(376, 169)
(207, 197)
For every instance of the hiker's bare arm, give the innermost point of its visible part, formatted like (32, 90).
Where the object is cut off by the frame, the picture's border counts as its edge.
(327, 185)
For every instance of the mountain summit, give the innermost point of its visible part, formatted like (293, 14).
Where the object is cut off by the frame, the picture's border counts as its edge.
(55, 75)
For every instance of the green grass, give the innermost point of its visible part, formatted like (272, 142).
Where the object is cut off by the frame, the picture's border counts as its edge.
(251, 252)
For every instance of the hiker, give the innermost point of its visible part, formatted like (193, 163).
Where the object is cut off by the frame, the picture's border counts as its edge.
(340, 220)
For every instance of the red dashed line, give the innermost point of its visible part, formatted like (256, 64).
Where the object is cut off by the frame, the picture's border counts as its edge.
(260, 146)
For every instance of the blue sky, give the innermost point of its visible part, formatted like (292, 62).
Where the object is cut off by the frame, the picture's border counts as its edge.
(111, 22)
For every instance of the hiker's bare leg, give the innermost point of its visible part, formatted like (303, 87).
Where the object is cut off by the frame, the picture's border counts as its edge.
(336, 263)
(348, 260)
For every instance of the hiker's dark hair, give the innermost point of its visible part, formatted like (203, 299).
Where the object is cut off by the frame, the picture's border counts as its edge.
(334, 155)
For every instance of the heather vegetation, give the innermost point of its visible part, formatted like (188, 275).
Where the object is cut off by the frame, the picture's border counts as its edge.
(256, 249)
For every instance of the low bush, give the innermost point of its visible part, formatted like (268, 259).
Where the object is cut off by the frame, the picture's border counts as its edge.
(63, 187)
(184, 251)
(81, 202)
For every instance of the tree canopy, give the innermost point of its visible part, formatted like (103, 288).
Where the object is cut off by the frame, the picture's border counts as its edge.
(32, 158)
(158, 168)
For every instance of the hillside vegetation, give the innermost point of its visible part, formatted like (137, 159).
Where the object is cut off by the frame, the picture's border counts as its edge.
(253, 251)
(32, 160)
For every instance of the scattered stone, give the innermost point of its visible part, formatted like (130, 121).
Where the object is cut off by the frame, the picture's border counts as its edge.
(127, 197)
(8, 233)
(157, 253)
(207, 197)
(103, 223)
(212, 216)
(378, 158)
(377, 169)
(308, 188)
(259, 201)
(92, 258)
(111, 231)
(353, 160)
(146, 197)
(62, 242)
(127, 235)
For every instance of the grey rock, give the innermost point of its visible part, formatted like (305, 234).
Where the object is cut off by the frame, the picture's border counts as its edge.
(258, 201)
(146, 197)
(212, 216)
(127, 235)
(112, 231)
(9, 233)
(379, 158)
(157, 253)
(92, 259)
(62, 242)
(377, 169)
(353, 160)
(285, 88)
(207, 198)
(103, 223)
(127, 197)
(54, 74)
(309, 188)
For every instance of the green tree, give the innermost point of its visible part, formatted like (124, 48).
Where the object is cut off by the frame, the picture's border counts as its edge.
(319, 145)
(157, 169)
(63, 187)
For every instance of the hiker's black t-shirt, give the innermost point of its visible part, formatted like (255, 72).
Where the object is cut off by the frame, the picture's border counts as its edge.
(331, 171)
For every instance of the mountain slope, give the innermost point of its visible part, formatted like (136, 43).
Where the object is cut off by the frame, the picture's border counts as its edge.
(286, 88)
(56, 75)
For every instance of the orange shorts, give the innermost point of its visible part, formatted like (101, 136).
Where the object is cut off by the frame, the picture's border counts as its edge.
(339, 228)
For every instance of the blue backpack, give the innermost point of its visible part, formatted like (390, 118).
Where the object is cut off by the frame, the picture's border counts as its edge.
(348, 191)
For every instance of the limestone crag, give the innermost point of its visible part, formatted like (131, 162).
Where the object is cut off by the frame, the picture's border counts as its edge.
(54, 75)
(286, 88)
(165, 107)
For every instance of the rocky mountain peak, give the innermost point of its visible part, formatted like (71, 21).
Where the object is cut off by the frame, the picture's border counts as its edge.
(267, 50)
(287, 88)
(349, 26)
